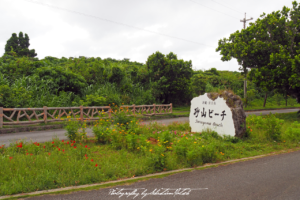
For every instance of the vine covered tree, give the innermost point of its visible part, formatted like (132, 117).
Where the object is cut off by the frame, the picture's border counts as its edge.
(19, 46)
(271, 46)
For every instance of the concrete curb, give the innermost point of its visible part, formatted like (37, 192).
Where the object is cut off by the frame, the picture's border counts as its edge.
(146, 176)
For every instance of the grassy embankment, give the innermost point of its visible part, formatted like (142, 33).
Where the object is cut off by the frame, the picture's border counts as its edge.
(123, 148)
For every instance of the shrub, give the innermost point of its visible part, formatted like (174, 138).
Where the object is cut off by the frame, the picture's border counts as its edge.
(120, 117)
(14, 97)
(273, 127)
(194, 152)
(93, 100)
(102, 131)
(269, 124)
(293, 132)
(157, 157)
(75, 130)
(166, 138)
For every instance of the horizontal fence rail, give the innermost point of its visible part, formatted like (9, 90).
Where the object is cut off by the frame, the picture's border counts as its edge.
(17, 116)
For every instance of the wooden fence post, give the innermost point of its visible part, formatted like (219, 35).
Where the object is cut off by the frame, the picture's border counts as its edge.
(1, 117)
(109, 112)
(154, 109)
(171, 107)
(81, 113)
(45, 114)
(133, 109)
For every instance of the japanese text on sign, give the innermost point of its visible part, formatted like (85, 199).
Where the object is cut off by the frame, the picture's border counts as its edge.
(210, 113)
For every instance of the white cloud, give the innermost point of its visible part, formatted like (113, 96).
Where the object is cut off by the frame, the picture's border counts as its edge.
(56, 32)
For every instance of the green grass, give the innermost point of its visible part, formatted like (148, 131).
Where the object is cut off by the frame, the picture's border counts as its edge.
(122, 150)
(186, 110)
(270, 107)
(181, 108)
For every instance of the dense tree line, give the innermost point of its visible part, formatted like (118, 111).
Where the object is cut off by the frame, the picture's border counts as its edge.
(269, 47)
(29, 82)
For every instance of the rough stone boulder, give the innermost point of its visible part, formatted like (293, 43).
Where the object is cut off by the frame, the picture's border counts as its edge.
(236, 106)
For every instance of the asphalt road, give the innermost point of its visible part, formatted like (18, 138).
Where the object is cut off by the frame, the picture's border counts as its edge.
(273, 177)
(47, 135)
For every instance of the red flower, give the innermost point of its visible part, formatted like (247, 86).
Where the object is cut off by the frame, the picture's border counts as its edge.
(44, 147)
(85, 146)
(62, 141)
(49, 154)
(53, 142)
(38, 144)
(92, 160)
(96, 165)
(31, 154)
(86, 158)
(58, 149)
(85, 155)
(20, 146)
(74, 141)
(72, 144)
(10, 158)
(63, 150)
(75, 147)
(68, 142)
(27, 153)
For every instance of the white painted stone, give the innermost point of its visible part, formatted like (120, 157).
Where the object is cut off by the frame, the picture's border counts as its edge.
(222, 124)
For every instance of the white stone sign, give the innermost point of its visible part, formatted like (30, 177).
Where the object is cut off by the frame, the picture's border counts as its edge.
(213, 114)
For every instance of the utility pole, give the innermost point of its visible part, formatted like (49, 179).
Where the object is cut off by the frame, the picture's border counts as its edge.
(245, 70)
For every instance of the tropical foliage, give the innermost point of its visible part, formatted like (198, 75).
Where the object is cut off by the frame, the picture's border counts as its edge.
(269, 45)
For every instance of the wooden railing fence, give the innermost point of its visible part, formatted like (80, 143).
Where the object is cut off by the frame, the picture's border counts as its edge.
(16, 116)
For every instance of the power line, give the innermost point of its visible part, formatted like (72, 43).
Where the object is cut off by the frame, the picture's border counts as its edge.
(227, 6)
(228, 3)
(212, 9)
(111, 21)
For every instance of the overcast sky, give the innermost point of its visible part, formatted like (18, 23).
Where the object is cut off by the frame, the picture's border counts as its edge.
(104, 28)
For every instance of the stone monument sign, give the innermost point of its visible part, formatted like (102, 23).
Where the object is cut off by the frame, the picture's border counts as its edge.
(222, 113)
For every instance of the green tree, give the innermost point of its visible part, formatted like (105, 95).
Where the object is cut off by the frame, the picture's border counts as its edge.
(117, 75)
(19, 45)
(212, 71)
(269, 45)
(199, 82)
(171, 77)
(61, 79)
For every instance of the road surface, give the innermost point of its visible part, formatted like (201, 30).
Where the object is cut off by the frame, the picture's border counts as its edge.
(273, 177)
(47, 135)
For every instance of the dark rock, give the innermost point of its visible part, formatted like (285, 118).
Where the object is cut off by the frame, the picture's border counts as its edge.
(236, 106)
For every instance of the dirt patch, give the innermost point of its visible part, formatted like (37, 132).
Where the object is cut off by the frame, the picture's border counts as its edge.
(153, 141)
